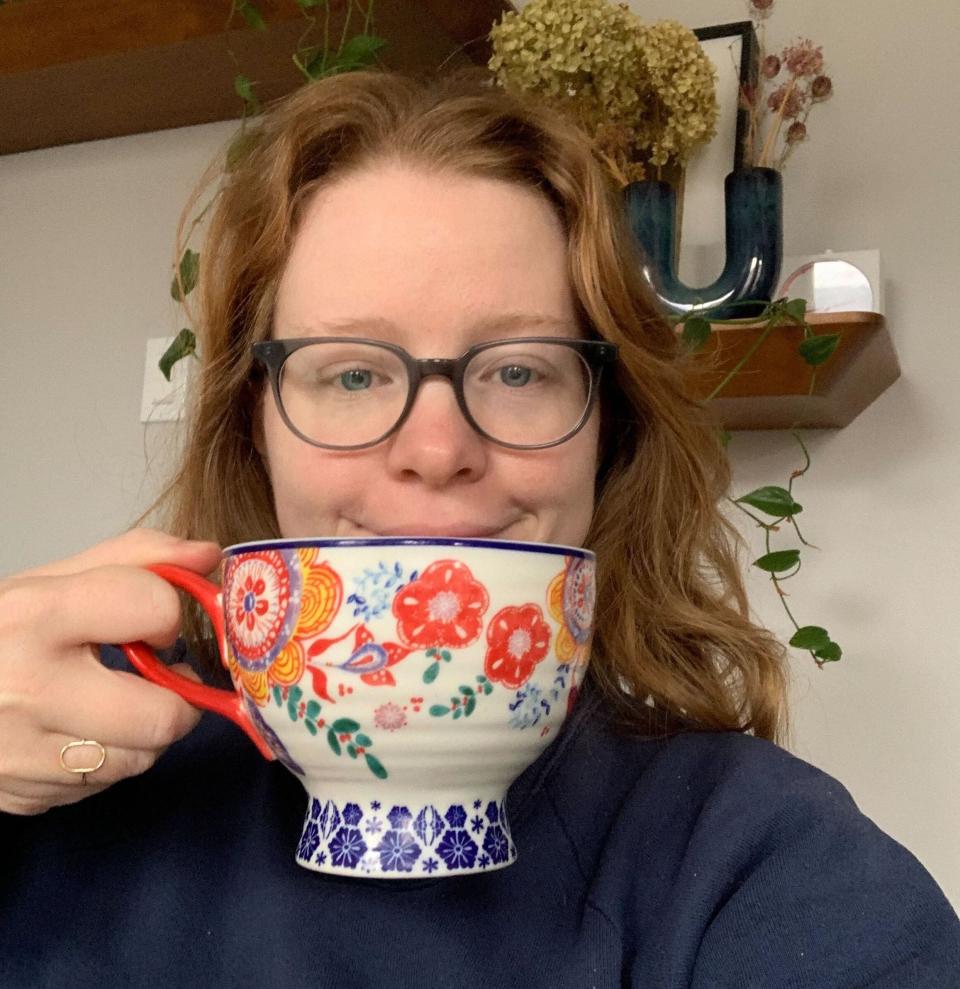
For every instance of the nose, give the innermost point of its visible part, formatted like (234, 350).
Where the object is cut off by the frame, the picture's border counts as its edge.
(436, 444)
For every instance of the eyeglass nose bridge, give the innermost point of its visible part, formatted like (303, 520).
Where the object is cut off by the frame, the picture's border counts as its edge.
(439, 367)
(436, 366)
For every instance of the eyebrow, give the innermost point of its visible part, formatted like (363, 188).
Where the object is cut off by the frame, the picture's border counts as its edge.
(507, 323)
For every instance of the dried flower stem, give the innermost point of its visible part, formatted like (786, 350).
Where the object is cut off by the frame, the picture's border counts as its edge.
(774, 131)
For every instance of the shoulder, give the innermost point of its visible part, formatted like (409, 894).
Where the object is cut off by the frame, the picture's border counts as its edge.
(757, 867)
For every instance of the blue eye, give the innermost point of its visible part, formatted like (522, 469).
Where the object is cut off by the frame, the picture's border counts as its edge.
(356, 379)
(515, 376)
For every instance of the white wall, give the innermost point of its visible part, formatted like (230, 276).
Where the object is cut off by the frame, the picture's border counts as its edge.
(86, 244)
(87, 235)
(881, 499)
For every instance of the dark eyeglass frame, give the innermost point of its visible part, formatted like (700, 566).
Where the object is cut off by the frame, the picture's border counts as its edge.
(596, 353)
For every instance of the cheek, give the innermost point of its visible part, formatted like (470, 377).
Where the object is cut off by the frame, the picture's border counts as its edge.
(562, 486)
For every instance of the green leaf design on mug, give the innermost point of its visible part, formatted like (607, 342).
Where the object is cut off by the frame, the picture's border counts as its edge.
(375, 766)
(334, 741)
(345, 726)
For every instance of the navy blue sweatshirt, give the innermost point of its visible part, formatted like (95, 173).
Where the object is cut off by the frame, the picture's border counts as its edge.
(702, 859)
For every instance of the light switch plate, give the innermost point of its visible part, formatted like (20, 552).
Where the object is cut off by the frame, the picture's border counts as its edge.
(162, 400)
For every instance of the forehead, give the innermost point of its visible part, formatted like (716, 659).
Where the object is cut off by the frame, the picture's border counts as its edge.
(422, 256)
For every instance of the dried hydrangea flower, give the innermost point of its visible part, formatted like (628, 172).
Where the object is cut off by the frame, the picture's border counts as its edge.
(645, 94)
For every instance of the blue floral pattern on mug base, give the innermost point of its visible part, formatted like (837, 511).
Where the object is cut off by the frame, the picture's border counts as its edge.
(370, 838)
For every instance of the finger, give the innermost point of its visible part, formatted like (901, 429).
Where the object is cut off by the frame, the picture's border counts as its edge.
(137, 548)
(44, 783)
(110, 604)
(116, 708)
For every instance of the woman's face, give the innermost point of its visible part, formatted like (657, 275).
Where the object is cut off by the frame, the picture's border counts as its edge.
(435, 263)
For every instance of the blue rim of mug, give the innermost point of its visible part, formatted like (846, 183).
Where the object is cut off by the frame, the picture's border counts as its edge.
(332, 541)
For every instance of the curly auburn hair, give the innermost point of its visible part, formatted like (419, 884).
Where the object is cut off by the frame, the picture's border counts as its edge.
(674, 647)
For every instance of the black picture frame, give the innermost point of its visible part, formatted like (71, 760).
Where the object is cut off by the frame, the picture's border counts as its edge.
(749, 72)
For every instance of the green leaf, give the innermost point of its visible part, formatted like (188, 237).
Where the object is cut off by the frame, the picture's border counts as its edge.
(189, 273)
(316, 67)
(466, 691)
(276, 690)
(430, 673)
(810, 637)
(334, 741)
(313, 709)
(433, 652)
(252, 16)
(772, 500)
(797, 308)
(458, 713)
(696, 332)
(364, 741)
(184, 344)
(779, 562)
(471, 706)
(295, 693)
(488, 688)
(292, 710)
(446, 655)
(311, 727)
(345, 726)
(818, 350)
(375, 766)
(244, 89)
(352, 751)
(439, 710)
(359, 51)
(830, 653)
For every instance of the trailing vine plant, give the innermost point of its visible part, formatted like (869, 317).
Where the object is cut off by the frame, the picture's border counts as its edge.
(775, 501)
(314, 58)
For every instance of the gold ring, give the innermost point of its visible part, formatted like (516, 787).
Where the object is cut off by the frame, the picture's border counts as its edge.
(83, 770)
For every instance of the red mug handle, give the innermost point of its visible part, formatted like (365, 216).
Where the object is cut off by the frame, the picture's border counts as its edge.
(226, 702)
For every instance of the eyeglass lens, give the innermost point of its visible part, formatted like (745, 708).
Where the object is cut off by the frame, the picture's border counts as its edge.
(520, 393)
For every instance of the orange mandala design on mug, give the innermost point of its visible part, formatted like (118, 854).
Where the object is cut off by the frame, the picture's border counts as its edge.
(276, 599)
(570, 601)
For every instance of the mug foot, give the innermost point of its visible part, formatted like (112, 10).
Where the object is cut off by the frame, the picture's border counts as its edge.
(413, 840)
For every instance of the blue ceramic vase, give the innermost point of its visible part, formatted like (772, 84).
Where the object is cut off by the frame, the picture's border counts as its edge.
(754, 225)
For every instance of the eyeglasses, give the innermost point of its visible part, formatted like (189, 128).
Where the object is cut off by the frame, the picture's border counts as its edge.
(345, 393)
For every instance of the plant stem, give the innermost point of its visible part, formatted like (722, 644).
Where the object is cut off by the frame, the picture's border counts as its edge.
(772, 323)
(774, 131)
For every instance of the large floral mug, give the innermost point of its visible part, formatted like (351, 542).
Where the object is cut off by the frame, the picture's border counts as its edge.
(406, 682)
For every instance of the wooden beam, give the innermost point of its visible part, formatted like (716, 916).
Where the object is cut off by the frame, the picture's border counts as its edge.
(80, 70)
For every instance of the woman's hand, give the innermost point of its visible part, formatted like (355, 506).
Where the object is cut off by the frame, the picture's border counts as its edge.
(53, 688)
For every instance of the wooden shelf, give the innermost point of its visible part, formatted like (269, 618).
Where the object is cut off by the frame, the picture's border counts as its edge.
(80, 70)
(770, 391)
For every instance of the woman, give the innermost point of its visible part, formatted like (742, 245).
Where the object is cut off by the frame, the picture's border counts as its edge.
(663, 840)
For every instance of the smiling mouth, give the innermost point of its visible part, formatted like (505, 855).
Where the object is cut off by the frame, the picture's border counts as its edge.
(471, 531)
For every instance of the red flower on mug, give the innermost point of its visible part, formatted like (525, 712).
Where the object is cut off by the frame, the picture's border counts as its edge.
(517, 639)
(444, 606)
(250, 603)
